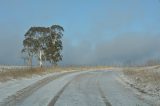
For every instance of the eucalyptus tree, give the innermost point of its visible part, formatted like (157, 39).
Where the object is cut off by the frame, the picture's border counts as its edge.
(30, 45)
(54, 44)
(45, 43)
(41, 34)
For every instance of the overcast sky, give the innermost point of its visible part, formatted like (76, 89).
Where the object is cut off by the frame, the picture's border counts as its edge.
(96, 31)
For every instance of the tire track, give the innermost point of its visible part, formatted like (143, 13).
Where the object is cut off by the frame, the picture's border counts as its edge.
(54, 100)
(60, 93)
(107, 103)
(24, 93)
(57, 96)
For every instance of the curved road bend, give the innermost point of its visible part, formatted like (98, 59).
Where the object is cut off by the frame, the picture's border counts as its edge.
(98, 88)
(90, 88)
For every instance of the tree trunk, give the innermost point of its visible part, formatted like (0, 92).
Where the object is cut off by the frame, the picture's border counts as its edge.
(40, 58)
(30, 61)
(55, 64)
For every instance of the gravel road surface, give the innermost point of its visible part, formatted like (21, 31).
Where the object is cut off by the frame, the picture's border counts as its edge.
(87, 88)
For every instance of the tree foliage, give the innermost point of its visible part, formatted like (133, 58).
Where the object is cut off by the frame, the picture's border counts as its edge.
(45, 43)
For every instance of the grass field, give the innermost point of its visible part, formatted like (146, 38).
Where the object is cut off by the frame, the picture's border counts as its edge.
(15, 73)
(146, 79)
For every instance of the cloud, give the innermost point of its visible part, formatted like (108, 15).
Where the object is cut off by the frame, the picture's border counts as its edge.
(79, 54)
(119, 36)
(129, 47)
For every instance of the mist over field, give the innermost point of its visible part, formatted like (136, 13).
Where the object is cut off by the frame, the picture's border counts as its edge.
(96, 33)
(124, 49)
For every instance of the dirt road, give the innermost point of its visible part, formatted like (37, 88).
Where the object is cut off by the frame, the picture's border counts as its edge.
(89, 88)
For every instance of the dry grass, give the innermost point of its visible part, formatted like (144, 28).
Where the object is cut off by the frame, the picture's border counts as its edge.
(77, 68)
(146, 80)
(29, 72)
(19, 73)
(143, 75)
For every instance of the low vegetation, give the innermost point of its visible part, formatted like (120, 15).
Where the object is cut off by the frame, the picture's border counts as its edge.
(145, 79)
(8, 74)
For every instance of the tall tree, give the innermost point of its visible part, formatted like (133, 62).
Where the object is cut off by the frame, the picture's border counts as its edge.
(54, 44)
(41, 33)
(45, 43)
(29, 44)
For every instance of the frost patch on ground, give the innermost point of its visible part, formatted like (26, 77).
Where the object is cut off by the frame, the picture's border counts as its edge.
(145, 80)
(11, 87)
